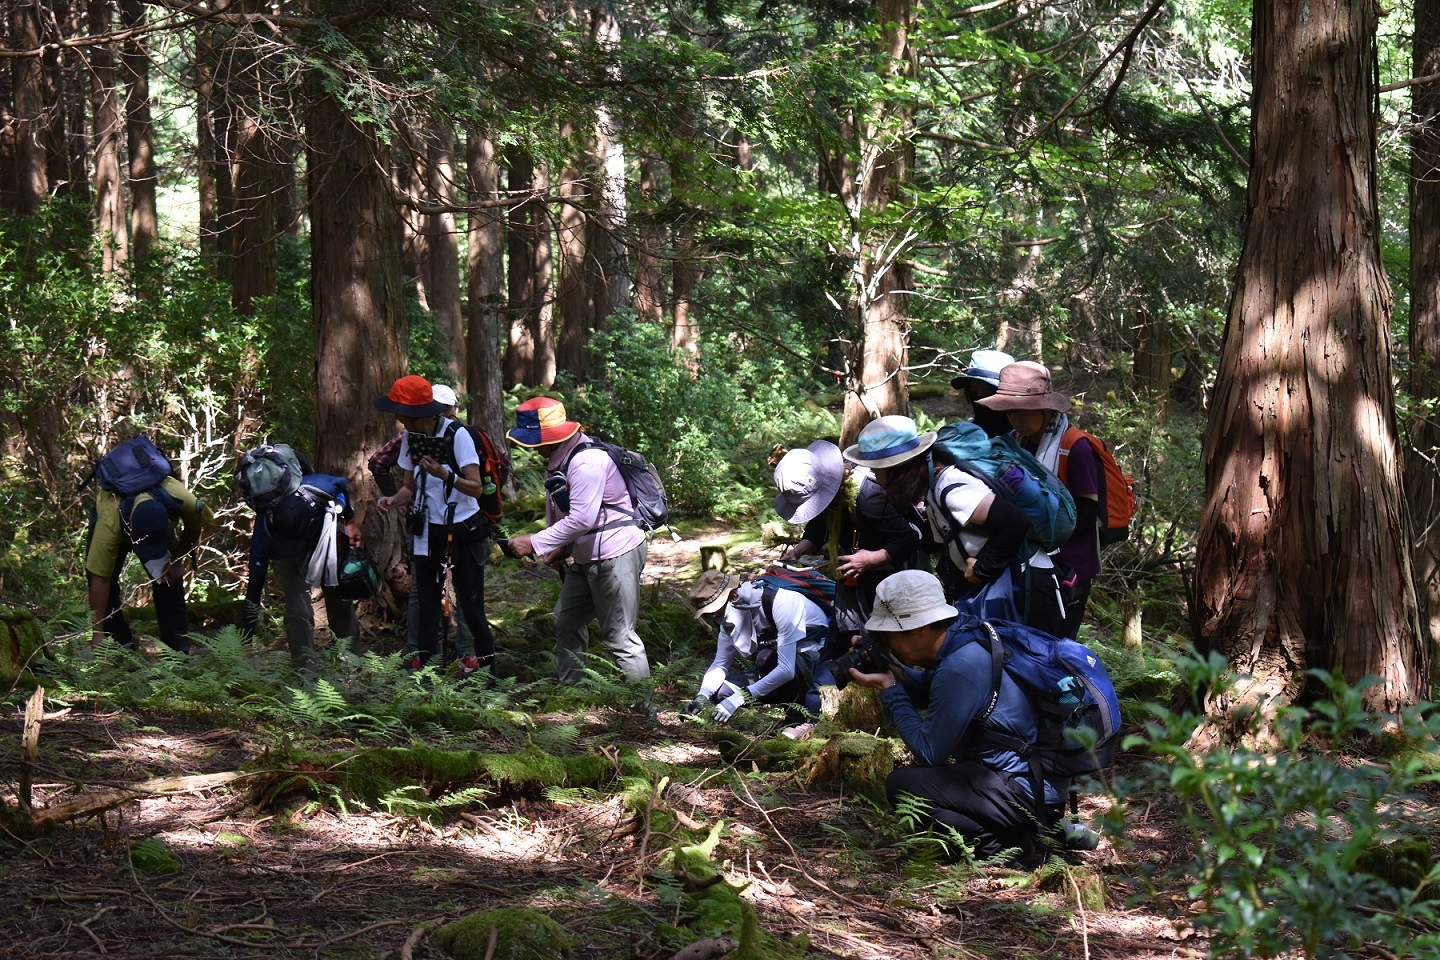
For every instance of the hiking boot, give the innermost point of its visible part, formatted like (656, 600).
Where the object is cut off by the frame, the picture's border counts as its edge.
(468, 664)
(413, 663)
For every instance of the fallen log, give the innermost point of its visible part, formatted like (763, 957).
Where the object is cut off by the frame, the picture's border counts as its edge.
(110, 797)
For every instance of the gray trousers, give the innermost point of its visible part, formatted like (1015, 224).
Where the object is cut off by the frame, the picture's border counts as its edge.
(607, 591)
(300, 611)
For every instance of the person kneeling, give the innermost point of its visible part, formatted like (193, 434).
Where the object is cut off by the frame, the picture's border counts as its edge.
(780, 632)
(986, 794)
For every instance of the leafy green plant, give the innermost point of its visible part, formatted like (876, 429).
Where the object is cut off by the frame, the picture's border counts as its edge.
(1281, 836)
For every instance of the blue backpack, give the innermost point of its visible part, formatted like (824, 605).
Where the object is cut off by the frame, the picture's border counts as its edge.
(133, 467)
(1014, 475)
(1076, 709)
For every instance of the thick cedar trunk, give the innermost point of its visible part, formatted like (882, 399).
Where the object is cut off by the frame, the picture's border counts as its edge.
(542, 310)
(355, 277)
(1153, 350)
(520, 277)
(69, 90)
(105, 104)
(685, 327)
(575, 296)
(139, 134)
(32, 178)
(485, 294)
(878, 383)
(1303, 560)
(1422, 478)
(443, 267)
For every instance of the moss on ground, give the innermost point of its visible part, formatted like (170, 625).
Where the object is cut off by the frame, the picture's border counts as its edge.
(520, 934)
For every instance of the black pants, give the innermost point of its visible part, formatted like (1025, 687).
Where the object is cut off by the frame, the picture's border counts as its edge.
(170, 612)
(1076, 598)
(468, 571)
(991, 810)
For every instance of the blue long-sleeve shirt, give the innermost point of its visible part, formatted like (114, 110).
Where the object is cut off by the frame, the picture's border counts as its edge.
(952, 694)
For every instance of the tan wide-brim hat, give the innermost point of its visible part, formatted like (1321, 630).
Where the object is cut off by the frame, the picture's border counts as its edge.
(712, 591)
(888, 441)
(1025, 385)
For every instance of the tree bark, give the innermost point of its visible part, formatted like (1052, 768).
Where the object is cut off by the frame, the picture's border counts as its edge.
(649, 292)
(443, 267)
(105, 107)
(542, 307)
(32, 175)
(139, 134)
(878, 382)
(1422, 464)
(520, 250)
(355, 277)
(575, 296)
(484, 278)
(608, 241)
(1303, 558)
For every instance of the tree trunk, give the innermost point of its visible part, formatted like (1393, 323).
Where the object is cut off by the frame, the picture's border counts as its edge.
(878, 380)
(443, 268)
(1152, 356)
(542, 309)
(649, 292)
(410, 181)
(105, 104)
(1422, 476)
(210, 170)
(608, 242)
(32, 177)
(1303, 559)
(575, 295)
(69, 88)
(360, 330)
(139, 134)
(520, 250)
(485, 266)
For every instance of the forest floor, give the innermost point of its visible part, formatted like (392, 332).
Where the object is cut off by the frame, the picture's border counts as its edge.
(257, 875)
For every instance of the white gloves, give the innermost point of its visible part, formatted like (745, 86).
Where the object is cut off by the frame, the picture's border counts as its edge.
(726, 708)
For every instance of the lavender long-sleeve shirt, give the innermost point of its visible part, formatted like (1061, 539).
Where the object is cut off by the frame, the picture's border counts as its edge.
(596, 490)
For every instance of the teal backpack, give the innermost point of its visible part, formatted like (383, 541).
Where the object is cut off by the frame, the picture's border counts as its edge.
(1014, 475)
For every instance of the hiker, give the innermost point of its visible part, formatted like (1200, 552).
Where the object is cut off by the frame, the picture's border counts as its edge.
(464, 640)
(1038, 414)
(980, 380)
(143, 523)
(846, 516)
(449, 533)
(986, 794)
(285, 538)
(780, 632)
(592, 539)
(982, 535)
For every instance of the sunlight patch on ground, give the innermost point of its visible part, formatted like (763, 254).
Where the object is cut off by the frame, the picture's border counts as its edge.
(683, 754)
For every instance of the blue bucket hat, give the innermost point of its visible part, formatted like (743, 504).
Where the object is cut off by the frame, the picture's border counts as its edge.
(888, 441)
(984, 368)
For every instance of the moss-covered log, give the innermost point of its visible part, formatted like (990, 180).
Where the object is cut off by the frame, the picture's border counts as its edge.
(21, 640)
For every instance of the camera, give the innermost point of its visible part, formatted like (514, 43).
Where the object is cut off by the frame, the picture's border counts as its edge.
(503, 542)
(866, 656)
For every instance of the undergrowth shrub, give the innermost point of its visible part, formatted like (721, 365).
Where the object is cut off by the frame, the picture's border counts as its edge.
(708, 430)
(1284, 839)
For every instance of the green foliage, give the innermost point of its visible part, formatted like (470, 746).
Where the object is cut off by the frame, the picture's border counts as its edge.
(151, 855)
(1285, 839)
(707, 431)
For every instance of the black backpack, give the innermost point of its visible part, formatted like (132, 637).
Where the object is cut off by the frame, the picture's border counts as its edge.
(642, 482)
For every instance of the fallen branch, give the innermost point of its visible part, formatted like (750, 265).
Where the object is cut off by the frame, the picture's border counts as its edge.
(30, 748)
(111, 797)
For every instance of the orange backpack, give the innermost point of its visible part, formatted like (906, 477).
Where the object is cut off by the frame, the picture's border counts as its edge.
(1118, 503)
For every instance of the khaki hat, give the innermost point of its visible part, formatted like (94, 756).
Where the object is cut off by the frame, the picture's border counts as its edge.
(712, 591)
(906, 600)
(1025, 385)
